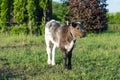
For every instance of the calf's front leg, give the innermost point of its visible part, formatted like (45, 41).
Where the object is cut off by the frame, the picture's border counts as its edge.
(69, 56)
(64, 55)
(69, 60)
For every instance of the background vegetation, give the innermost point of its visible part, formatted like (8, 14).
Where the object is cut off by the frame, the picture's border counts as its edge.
(114, 21)
(32, 15)
(24, 12)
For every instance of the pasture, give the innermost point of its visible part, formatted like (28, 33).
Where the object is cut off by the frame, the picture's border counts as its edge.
(95, 57)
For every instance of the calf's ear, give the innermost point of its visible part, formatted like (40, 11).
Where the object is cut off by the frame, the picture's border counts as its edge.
(74, 24)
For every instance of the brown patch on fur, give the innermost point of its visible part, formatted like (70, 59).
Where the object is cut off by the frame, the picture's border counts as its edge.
(77, 32)
(54, 29)
(65, 36)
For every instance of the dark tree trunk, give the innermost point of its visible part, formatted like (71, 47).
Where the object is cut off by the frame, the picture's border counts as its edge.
(48, 12)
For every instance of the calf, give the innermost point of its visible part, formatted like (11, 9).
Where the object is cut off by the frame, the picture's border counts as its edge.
(64, 37)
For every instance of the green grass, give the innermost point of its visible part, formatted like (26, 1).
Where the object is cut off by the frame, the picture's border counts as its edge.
(95, 57)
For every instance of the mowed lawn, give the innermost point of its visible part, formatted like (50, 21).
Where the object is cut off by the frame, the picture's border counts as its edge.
(95, 57)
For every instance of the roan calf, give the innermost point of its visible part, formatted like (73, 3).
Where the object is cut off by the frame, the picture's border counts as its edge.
(64, 37)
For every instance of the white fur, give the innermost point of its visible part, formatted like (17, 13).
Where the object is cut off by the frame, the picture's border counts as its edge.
(53, 55)
(49, 40)
(69, 46)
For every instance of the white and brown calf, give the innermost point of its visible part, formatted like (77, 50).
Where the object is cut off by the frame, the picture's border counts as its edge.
(64, 37)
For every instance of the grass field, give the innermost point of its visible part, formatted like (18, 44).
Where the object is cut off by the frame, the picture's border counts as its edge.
(95, 57)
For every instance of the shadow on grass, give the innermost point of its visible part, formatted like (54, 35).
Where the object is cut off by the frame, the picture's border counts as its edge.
(10, 71)
(19, 46)
(6, 73)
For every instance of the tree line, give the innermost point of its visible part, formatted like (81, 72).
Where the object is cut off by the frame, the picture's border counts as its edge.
(114, 18)
(30, 16)
(24, 14)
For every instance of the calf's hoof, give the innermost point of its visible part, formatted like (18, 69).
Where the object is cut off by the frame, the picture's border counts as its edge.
(69, 67)
(49, 62)
(53, 63)
(65, 66)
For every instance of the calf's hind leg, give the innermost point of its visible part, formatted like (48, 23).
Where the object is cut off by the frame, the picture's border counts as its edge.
(53, 54)
(48, 49)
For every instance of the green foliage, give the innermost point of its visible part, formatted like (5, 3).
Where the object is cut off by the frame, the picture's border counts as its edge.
(114, 21)
(42, 26)
(31, 9)
(59, 11)
(32, 12)
(95, 57)
(19, 29)
(0, 8)
(43, 4)
(46, 5)
(114, 18)
(20, 10)
(5, 14)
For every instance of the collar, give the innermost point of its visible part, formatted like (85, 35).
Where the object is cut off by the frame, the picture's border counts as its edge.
(72, 36)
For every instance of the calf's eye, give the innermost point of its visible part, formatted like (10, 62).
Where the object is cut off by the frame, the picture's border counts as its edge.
(77, 28)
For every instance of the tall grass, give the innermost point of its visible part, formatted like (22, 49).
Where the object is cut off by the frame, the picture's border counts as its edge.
(95, 57)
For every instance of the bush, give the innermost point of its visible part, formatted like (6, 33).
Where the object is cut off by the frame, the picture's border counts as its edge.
(42, 26)
(19, 29)
(59, 11)
(114, 18)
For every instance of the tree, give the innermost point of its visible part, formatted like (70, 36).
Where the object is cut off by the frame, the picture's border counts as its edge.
(20, 11)
(5, 14)
(92, 13)
(59, 11)
(114, 18)
(0, 7)
(31, 9)
(0, 10)
(46, 5)
(25, 12)
(117, 18)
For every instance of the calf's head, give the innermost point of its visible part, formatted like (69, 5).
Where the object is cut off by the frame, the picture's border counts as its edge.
(77, 30)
